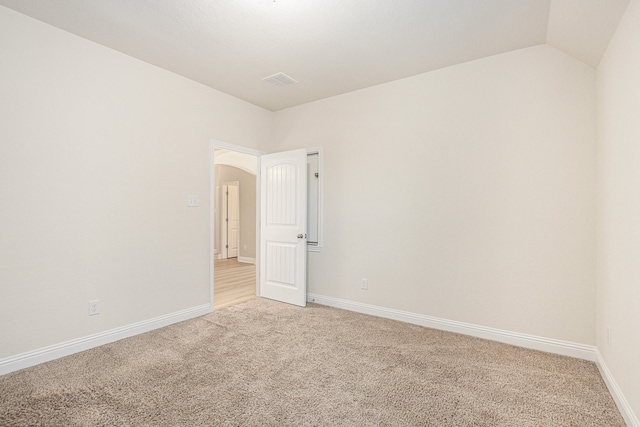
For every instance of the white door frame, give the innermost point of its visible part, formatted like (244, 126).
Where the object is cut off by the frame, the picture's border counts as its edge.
(212, 189)
(224, 230)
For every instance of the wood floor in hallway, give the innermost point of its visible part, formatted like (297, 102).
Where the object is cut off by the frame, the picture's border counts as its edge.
(234, 282)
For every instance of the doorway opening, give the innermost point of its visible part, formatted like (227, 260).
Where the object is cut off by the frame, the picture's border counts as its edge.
(235, 224)
(271, 233)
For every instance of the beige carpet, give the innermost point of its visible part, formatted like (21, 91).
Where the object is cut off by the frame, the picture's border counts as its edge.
(263, 363)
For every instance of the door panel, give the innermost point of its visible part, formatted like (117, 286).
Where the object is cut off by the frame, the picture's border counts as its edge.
(233, 210)
(283, 226)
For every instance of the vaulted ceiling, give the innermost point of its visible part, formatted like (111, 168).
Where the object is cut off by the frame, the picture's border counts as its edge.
(329, 46)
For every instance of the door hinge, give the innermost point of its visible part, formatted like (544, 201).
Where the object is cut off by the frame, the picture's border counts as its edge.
(226, 246)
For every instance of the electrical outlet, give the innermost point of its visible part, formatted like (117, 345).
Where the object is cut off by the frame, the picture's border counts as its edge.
(94, 307)
(364, 284)
(608, 336)
(192, 201)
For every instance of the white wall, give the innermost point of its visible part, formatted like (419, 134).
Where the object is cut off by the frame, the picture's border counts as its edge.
(466, 193)
(98, 152)
(618, 304)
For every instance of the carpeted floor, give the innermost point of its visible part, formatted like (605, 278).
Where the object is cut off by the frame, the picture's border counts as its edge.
(263, 363)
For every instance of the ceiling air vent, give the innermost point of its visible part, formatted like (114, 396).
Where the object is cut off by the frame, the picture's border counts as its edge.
(280, 79)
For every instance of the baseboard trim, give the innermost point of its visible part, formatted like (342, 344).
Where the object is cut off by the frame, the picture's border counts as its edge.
(246, 260)
(46, 354)
(565, 348)
(621, 401)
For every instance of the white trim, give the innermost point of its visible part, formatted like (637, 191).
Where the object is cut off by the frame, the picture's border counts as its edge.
(52, 352)
(238, 148)
(566, 348)
(621, 401)
(258, 224)
(246, 260)
(212, 200)
(318, 246)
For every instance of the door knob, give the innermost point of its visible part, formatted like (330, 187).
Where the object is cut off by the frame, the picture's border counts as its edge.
(300, 236)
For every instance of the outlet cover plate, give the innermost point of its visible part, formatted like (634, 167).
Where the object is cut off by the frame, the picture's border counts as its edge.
(94, 307)
(192, 201)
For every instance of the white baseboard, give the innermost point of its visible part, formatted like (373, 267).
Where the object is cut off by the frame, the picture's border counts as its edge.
(246, 260)
(621, 401)
(46, 354)
(565, 348)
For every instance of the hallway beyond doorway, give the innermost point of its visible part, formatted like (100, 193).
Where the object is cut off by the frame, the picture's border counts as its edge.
(235, 282)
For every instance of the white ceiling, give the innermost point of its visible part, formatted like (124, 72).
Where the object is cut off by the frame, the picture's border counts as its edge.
(329, 46)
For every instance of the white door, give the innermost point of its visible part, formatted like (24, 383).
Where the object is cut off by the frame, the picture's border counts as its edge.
(230, 220)
(283, 219)
(233, 221)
